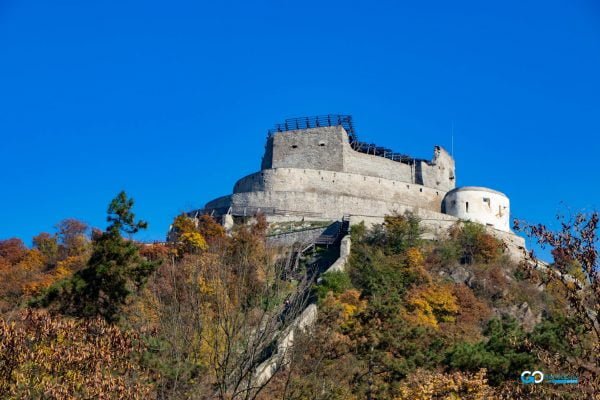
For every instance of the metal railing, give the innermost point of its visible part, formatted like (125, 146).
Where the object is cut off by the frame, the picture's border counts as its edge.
(318, 121)
(345, 121)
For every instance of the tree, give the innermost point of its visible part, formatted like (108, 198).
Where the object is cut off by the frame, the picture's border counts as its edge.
(427, 385)
(402, 232)
(186, 236)
(503, 354)
(47, 244)
(114, 271)
(247, 313)
(54, 357)
(475, 244)
(12, 251)
(575, 268)
(72, 236)
(121, 218)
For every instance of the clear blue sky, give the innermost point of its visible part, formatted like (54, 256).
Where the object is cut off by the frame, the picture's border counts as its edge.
(171, 100)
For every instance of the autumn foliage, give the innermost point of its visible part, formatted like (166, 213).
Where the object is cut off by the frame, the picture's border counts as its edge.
(95, 314)
(43, 356)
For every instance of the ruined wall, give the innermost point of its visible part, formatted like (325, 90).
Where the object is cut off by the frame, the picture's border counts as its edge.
(370, 165)
(328, 149)
(439, 172)
(267, 159)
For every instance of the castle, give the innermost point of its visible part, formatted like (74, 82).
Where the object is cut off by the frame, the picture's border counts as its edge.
(316, 168)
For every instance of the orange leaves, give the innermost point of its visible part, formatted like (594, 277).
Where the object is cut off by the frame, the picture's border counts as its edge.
(431, 304)
(12, 250)
(209, 228)
(43, 279)
(155, 251)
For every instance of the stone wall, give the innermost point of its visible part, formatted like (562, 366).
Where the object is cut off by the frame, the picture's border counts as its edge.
(440, 172)
(374, 166)
(357, 190)
(322, 205)
(319, 148)
(219, 202)
(328, 149)
(290, 238)
(478, 204)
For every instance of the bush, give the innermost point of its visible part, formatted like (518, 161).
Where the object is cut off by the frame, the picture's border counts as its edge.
(336, 282)
(504, 354)
(475, 244)
(402, 232)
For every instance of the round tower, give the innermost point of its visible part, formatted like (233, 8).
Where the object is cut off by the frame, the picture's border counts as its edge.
(479, 204)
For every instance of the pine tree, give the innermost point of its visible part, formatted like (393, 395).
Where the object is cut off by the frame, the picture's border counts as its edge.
(115, 269)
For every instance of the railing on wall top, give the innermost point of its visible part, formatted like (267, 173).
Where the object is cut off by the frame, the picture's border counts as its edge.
(345, 121)
(318, 121)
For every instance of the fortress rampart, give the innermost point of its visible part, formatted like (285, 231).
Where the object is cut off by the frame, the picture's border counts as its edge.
(317, 168)
(360, 191)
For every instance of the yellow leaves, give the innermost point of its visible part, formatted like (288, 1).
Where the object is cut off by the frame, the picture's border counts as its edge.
(428, 385)
(431, 304)
(192, 241)
(414, 257)
(188, 239)
(351, 303)
(346, 305)
(70, 265)
(42, 280)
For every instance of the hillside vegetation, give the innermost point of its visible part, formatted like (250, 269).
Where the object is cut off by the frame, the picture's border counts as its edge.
(93, 314)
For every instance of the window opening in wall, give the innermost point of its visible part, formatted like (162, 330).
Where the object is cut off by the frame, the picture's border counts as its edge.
(467, 206)
(322, 144)
(294, 146)
(487, 200)
(421, 190)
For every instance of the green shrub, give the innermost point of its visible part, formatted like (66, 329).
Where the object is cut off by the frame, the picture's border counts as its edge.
(336, 282)
(504, 354)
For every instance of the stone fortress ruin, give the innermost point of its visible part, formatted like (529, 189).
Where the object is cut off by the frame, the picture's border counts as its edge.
(316, 168)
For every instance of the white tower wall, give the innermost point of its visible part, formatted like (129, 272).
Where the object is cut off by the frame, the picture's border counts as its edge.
(479, 204)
